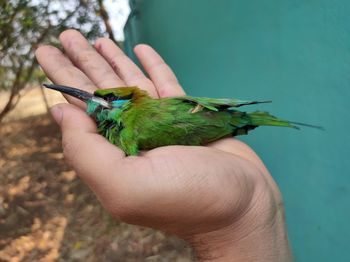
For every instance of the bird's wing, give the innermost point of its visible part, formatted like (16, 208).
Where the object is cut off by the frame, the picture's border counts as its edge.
(217, 104)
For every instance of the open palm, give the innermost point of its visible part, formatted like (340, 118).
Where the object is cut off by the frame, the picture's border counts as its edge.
(193, 192)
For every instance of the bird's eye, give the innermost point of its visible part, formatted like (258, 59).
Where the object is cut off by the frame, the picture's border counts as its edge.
(125, 97)
(111, 97)
(108, 97)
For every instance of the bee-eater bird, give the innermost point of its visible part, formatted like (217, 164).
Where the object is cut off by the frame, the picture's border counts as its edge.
(129, 118)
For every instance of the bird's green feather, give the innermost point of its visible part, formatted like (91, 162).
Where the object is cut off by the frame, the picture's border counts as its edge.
(145, 123)
(217, 104)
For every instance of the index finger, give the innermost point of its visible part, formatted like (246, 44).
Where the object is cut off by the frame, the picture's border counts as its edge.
(60, 70)
(88, 60)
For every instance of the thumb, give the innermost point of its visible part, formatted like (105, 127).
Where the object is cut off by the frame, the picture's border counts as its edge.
(68, 116)
(89, 153)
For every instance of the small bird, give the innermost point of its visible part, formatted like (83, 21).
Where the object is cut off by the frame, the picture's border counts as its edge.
(129, 118)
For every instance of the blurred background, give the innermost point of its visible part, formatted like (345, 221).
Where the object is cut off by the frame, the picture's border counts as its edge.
(46, 213)
(294, 52)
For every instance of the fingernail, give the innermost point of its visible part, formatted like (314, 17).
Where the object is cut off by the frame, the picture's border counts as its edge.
(57, 113)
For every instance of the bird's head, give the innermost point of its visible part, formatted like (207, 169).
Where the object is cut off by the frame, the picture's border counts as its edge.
(102, 99)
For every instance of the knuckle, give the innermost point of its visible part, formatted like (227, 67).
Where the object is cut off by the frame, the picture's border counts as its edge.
(85, 56)
(115, 65)
(70, 150)
(157, 67)
(134, 76)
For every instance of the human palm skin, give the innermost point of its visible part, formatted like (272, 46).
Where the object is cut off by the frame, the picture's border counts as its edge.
(220, 198)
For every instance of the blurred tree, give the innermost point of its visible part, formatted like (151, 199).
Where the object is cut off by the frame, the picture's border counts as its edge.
(25, 24)
(101, 11)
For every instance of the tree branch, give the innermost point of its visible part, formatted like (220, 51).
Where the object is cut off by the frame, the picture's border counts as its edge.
(105, 17)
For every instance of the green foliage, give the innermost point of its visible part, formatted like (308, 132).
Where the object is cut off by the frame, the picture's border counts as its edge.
(25, 24)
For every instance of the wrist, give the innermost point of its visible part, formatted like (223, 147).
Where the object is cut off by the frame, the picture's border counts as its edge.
(258, 235)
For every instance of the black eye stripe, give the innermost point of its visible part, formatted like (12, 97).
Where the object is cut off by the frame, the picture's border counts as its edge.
(111, 97)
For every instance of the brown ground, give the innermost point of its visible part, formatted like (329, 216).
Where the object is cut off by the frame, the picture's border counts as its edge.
(48, 214)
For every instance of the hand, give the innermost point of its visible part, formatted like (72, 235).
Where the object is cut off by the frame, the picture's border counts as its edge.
(220, 198)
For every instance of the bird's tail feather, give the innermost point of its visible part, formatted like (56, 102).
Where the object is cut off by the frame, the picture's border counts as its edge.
(248, 121)
(260, 118)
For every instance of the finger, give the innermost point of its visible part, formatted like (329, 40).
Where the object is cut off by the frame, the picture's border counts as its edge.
(61, 71)
(89, 153)
(160, 73)
(85, 57)
(123, 66)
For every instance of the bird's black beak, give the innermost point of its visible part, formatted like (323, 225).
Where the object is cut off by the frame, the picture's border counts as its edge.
(77, 93)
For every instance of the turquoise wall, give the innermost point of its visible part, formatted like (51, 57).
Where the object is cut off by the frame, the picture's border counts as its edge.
(294, 52)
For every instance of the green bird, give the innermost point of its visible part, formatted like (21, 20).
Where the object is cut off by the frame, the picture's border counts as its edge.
(129, 118)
